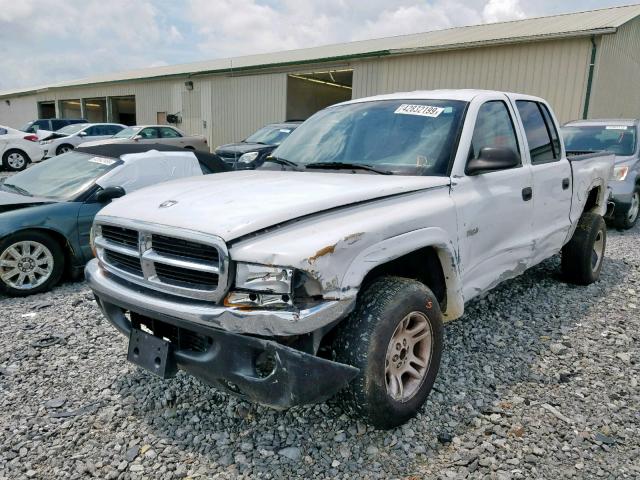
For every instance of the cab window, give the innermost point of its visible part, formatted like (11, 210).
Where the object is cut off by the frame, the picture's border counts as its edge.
(494, 129)
(542, 147)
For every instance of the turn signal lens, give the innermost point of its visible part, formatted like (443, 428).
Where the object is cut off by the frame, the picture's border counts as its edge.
(620, 173)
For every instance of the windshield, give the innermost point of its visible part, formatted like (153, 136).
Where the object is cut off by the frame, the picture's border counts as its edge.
(407, 137)
(71, 129)
(30, 128)
(617, 139)
(63, 177)
(270, 135)
(127, 132)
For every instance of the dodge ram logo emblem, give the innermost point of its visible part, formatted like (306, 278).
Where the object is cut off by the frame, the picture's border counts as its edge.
(167, 204)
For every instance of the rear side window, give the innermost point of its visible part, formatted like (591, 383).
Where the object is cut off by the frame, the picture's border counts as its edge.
(112, 129)
(166, 132)
(542, 147)
(494, 129)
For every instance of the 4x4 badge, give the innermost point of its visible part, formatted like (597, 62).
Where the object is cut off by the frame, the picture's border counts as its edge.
(167, 204)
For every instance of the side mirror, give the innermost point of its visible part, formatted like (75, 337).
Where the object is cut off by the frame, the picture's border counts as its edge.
(491, 159)
(137, 137)
(110, 193)
(82, 134)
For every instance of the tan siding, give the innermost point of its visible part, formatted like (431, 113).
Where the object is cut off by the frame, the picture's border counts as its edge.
(555, 70)
(17, 111)
(615, 91)
(240, 105)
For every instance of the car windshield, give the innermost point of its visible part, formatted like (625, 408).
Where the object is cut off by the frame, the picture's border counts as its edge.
(617, 139)
(61, 178)
(127, 132)
(71, 129)
(406, 137)
(29, 127)
(270, 135)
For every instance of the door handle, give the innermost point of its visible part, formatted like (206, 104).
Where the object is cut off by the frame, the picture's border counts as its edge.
(565, 183)
(527, 194)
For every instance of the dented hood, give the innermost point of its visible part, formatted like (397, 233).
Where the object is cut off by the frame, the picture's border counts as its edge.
(234, 204)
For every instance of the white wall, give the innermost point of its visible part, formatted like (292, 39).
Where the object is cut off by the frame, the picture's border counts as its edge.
(17, 111)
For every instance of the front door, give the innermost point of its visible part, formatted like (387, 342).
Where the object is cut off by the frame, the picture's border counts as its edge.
(494, 208)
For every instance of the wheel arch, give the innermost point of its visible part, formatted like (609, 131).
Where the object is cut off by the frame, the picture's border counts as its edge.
(426, 255)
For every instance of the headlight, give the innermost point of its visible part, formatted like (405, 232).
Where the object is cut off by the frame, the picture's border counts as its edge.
(263, 278)
(95, 232)
(248, 157)
(620, 173)
(45, 142)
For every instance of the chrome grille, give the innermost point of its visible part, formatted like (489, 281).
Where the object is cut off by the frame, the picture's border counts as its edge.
(176, 261)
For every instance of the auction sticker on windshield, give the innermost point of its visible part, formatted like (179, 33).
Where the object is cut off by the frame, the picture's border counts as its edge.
(616, 127)
(421, 110)
(103, 161)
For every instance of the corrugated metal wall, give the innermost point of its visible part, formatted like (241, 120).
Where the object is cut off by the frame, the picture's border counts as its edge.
(616, 85)
(554, 70)
(17, 111)
(240, 105)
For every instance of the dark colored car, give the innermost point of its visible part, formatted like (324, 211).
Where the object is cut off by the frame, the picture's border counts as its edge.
(46, 211)
(620, 137)
(256, 147)
(50, 124)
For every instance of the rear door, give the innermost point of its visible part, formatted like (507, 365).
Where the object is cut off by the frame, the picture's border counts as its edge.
(171, 136)
(494, 209)
(551, 178)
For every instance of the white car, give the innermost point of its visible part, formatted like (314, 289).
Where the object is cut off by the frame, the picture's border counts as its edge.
(18, 149)
(69, 137)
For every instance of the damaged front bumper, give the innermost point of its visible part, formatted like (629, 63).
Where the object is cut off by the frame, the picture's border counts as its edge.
(263, 371)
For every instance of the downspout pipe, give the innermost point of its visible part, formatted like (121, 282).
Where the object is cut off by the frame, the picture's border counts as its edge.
(592, 65)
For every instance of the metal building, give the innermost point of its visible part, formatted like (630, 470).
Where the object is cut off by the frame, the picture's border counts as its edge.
(586, 64)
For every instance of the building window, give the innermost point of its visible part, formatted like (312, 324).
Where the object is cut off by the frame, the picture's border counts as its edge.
(70, 109)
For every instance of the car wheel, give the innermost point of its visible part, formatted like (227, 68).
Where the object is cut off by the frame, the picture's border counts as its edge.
(30, 262)
(64, 149)
(583, 256)
(395, 338)
(631, 216)
(15, 160)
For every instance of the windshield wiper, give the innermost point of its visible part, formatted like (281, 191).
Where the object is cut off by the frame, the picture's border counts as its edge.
(281, 161)
(347, 166)
(21, 191)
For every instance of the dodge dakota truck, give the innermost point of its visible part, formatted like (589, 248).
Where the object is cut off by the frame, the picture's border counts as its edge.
(331, 269)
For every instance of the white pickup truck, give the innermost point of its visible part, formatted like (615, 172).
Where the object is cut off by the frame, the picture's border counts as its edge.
(332, 267)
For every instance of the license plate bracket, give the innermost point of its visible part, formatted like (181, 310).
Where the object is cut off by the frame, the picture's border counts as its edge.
(151, 353)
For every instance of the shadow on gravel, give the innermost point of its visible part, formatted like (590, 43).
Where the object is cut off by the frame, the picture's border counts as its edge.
(492, 348)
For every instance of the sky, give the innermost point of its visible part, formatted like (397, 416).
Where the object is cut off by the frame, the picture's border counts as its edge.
(49, 41)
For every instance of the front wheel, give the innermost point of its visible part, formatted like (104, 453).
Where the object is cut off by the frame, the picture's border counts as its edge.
(630, 218)
(30, 262)
(15, 160)
(395, 338)
(583, 256)
(64, 149)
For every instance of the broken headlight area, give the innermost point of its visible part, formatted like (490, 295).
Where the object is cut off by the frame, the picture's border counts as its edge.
(263, 286)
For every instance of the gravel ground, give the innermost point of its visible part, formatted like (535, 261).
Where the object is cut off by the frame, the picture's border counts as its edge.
(539, 380)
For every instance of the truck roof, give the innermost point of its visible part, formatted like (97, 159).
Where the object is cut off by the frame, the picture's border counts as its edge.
(465, 95)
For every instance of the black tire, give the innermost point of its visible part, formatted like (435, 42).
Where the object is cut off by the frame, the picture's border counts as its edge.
(362, 340)
(57, 269)
(583, 256)
(630, 217)
(64, 148)
(9, 159)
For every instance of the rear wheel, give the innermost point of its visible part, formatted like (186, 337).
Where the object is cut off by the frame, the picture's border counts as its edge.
(583, 256)
(64, 149)
(30, 262)
(395, 338)
(15, 160)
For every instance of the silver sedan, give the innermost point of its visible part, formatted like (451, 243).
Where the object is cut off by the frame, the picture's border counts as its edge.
(164, 134)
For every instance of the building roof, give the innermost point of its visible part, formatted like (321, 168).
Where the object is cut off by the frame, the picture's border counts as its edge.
(602, 21)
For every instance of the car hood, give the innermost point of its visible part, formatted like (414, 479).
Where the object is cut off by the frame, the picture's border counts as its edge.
(234, 204)
(13, 201)
(625, 159)
(242, 147)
